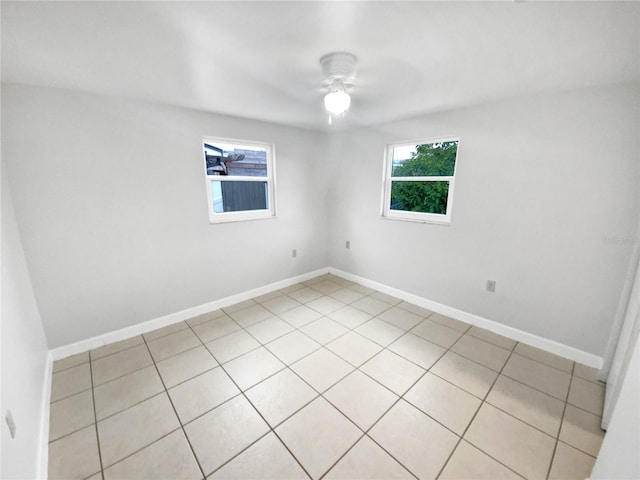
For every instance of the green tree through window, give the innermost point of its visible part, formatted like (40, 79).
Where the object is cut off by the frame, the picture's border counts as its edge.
(420, 194)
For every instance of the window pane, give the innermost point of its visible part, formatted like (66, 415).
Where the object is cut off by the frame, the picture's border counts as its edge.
(426, 197)
(235, 160)
(425, 160)
(230, 196)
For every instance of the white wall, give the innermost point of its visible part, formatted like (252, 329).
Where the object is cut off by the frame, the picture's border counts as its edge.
(618, 457)
(110, 198)
(24, 357)
(541, 182)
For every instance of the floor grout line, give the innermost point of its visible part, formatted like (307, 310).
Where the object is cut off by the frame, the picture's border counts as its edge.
(555, 446)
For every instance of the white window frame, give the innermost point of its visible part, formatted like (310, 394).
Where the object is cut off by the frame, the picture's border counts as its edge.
(387, 180)
(244, 215)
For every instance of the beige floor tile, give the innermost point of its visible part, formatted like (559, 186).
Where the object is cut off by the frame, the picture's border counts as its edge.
(162, 332)
(269, 329)
(172, 344)
(361, 399)
(362, 289)
(467, 462)
(324, 330)
(185, 365)
(587, 373)
(405, 431)
(379, 331)
(436, 333)
(300, 316)
(72, 361)
(119, 364)
(423, 312)
(305, 294)
(366, 460)
(253, 367)
(265, 459)
(215, 328)
(444, 402)
(267, 296)
(241, 425)
(354, 348)
(205, 317)
(280, 304)
(349, 316)
(292, 347)
(372, 306)
(202, 393)
(343, 282)
(346, 295)
(511, 442)
(280, 396)
(124, 392)
(71, 414)
(482, 352)
(232, 346)
(248, 316)
(391, 300)
(292, 288)
(582, 430)
(468, 375)
(547, 358)
(531, 406)
(450, 322)
(417, 350)
(318, 435)
(239, 306)
(327, 287)
(116, 347)
(169, 457)
(537, 375)
(491, 337)
(74, 456)
(325, 305)
(135, 428)
(393, 371)
(322, 369)
(70, 381)
(400, 318)
(587, 395)
(570, 464)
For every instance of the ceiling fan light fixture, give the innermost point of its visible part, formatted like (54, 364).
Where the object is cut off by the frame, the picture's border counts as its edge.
(339, 69)
(337, 102)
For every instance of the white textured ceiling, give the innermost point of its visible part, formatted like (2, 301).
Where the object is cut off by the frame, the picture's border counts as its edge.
(260, 59)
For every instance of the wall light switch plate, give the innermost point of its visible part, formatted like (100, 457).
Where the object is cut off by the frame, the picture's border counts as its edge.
(491, 286)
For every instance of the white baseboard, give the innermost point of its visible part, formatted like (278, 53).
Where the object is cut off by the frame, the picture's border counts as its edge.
(148, 326)
(43, 454)
(542, 343)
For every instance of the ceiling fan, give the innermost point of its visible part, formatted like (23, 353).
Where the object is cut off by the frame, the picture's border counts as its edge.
(339, 69)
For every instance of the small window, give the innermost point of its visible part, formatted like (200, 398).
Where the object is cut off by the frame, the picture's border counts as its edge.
(418, 182)
(240, 180)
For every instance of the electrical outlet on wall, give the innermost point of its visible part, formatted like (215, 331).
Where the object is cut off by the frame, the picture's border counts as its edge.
(347, 244)
(12, 425)
(491, 286)
(294, 253)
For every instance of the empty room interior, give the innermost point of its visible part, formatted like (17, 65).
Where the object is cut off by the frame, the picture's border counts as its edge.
(320, 240)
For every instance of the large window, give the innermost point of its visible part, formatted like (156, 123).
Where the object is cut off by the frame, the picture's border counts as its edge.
(419, 180)
(240, 179)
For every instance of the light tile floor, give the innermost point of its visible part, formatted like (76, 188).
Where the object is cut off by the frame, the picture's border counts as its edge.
(323, 379)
